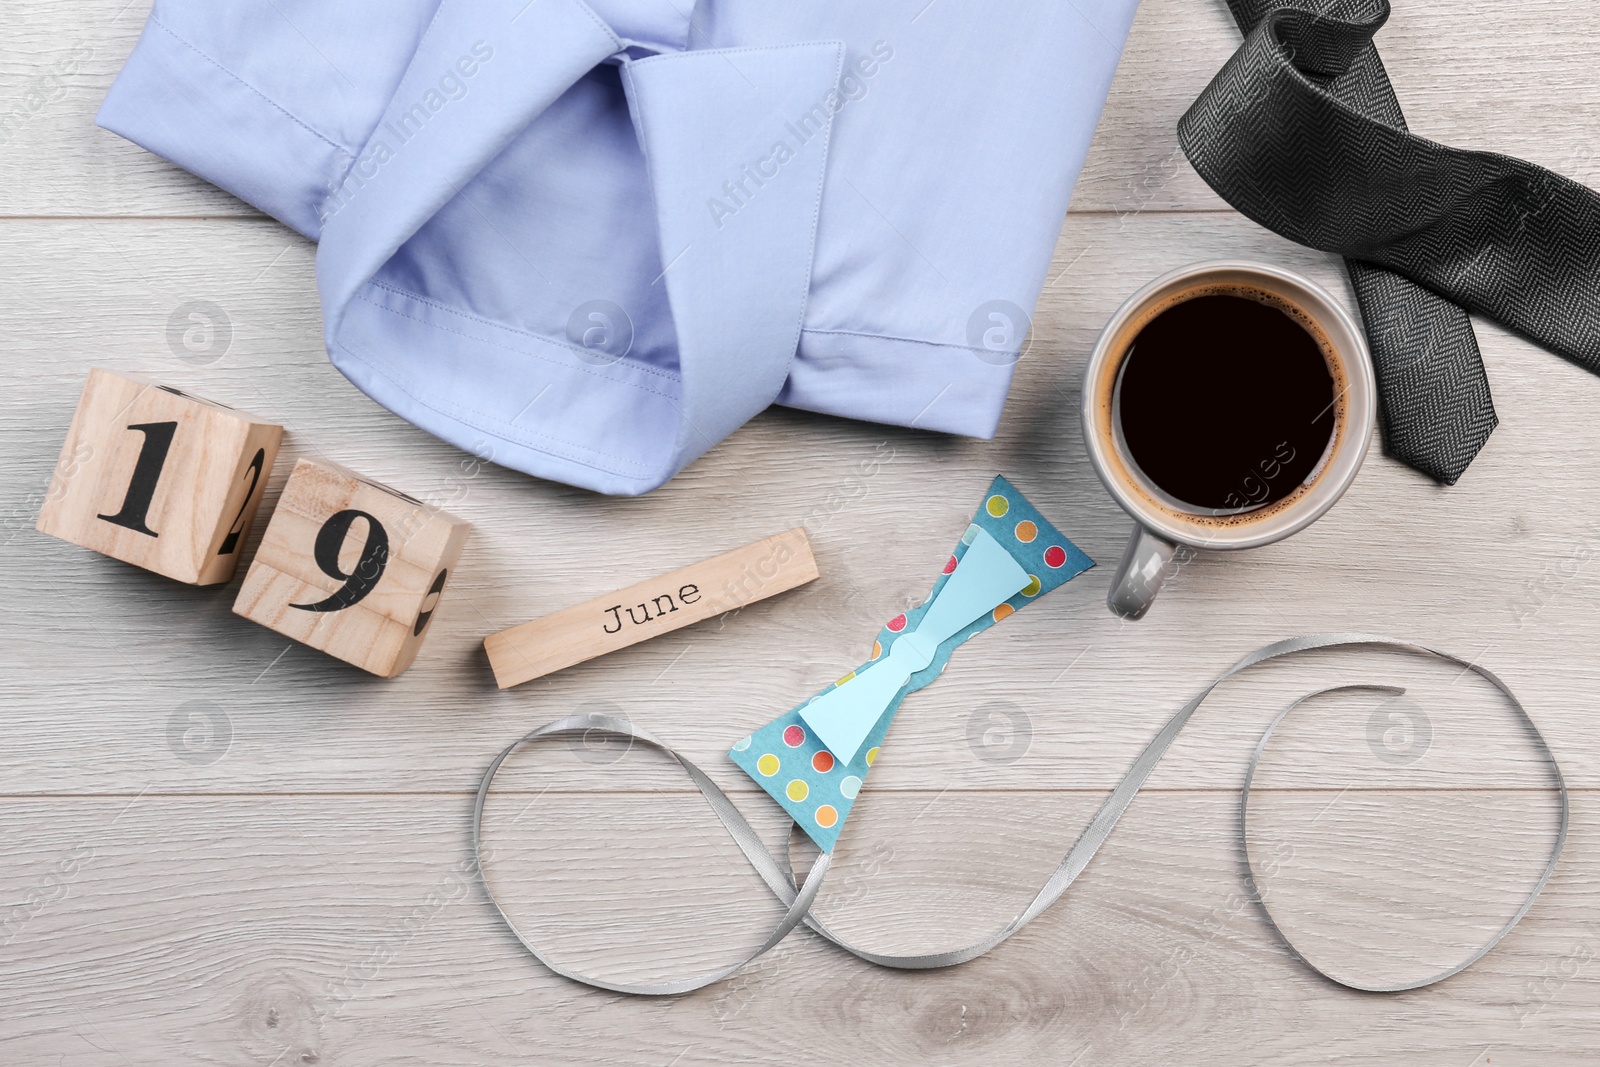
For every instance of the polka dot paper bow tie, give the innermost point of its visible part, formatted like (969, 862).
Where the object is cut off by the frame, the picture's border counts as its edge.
(813, 759)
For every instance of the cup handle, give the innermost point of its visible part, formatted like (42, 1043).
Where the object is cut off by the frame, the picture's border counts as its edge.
(1139, 576)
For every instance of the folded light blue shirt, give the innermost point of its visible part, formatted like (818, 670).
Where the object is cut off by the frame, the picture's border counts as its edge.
(590, 240)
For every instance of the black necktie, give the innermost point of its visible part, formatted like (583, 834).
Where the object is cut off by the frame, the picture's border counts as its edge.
(1301, 132)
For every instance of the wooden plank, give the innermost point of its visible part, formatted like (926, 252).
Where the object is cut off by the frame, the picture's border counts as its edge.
(339, 929)
(1503, 79)
(1500, 567)
(688, 595)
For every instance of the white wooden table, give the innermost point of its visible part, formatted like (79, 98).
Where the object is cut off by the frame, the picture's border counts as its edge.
(287, 887)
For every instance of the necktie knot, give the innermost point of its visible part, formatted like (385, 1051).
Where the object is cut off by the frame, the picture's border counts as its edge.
(1301, 131)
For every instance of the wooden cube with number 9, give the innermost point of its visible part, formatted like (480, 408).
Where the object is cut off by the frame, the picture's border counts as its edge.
(158, 478)
(351, 567)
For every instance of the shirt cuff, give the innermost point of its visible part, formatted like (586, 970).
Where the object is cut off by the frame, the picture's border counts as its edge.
(181, 104)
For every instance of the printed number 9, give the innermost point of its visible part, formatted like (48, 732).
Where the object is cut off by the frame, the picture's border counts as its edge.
(368, 569)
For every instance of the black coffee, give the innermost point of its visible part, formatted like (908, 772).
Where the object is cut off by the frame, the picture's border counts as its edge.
(1226, 402)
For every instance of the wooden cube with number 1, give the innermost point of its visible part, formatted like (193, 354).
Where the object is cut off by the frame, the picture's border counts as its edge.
(351, 567)
(158, 478)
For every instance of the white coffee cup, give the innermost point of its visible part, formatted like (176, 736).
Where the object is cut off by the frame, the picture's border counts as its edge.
(1164, 522)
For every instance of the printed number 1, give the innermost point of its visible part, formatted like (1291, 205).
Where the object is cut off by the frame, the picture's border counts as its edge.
(146, 473)
(368, 569)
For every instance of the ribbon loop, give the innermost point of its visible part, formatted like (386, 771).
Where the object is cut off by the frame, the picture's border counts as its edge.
(797, 898)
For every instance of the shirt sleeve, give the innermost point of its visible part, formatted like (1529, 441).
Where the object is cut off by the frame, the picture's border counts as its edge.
(268, 99)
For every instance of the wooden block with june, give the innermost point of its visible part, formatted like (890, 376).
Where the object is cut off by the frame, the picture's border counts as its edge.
(649, 609)
(351, 567)
(158, 478)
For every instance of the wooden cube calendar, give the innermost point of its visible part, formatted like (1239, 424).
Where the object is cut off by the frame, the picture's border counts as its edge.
(351, 567)
(158, 478)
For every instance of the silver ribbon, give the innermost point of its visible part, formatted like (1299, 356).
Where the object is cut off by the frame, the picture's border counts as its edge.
(797, 898)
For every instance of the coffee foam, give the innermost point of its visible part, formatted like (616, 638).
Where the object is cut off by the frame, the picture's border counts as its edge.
(1135, 482)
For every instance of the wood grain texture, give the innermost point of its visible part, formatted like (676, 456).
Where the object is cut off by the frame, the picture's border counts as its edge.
(726, 582)
(340, 929)
(221, 848)
(1497, 568)
(1515, 76)
(164, 480)
(351, 568)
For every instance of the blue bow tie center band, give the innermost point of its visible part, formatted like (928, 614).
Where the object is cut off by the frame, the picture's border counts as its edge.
(814, 759)
(986, 578)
